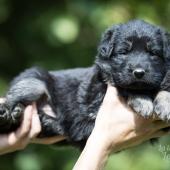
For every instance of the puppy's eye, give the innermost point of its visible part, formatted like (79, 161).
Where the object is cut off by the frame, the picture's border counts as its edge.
(122, 51)
(124, 48)
(154, 51)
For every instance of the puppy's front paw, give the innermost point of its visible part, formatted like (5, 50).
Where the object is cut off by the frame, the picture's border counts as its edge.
(162, 105)
(8, 116)
(141, 104)
(4, 114)
(17, 112)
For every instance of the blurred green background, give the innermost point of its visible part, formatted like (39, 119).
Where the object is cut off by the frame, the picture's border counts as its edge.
(63, 34)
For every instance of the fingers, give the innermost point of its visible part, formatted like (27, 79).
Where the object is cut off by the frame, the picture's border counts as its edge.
(34, 130)
(29, 129)
(158, 127)
(24, 129)
(26, 123)
(35, 124)
(161, 124)
(49, 140)
(31, 125)
(160, 133)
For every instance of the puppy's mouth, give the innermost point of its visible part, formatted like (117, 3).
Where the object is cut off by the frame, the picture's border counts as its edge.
(141, 86)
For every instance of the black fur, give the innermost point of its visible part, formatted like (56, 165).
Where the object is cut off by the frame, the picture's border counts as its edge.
(76, 94)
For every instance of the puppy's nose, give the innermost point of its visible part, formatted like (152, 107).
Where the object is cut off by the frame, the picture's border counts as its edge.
(139, 73)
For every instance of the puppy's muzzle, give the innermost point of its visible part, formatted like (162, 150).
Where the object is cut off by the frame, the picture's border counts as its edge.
(138, 73)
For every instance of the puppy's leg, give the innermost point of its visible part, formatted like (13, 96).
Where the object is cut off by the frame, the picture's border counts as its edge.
(141, 104)
(50, 126)
(162, 100)
(10, 119)
(80, 128)
(27, 87)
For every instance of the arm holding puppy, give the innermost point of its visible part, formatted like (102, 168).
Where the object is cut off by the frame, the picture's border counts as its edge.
(117, 127)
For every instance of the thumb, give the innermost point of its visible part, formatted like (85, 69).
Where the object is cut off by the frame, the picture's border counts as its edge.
(111, 96)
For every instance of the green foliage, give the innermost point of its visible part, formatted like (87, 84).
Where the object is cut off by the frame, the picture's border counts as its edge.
(64, 34)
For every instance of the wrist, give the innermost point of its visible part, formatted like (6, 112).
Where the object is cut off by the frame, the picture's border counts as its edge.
(94, 155)
(100, 141)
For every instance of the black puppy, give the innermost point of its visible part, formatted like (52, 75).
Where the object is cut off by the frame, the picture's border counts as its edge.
(134, 57)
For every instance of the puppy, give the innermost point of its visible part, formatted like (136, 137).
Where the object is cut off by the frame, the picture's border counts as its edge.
(134, 57)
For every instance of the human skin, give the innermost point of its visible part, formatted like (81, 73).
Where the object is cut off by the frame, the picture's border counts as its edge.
(117, 127)
(26, 133)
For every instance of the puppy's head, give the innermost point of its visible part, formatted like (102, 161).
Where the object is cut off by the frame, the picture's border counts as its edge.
(134, 55)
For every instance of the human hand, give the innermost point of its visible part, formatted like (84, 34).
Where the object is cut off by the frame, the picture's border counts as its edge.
(19, 139)
(119, 127)
(26, 133)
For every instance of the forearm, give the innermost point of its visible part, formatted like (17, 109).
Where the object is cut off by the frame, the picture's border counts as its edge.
(94, 155)
(96, 152)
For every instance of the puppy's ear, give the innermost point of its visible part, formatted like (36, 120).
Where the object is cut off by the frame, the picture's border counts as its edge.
(104, 52)
(107, 43)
